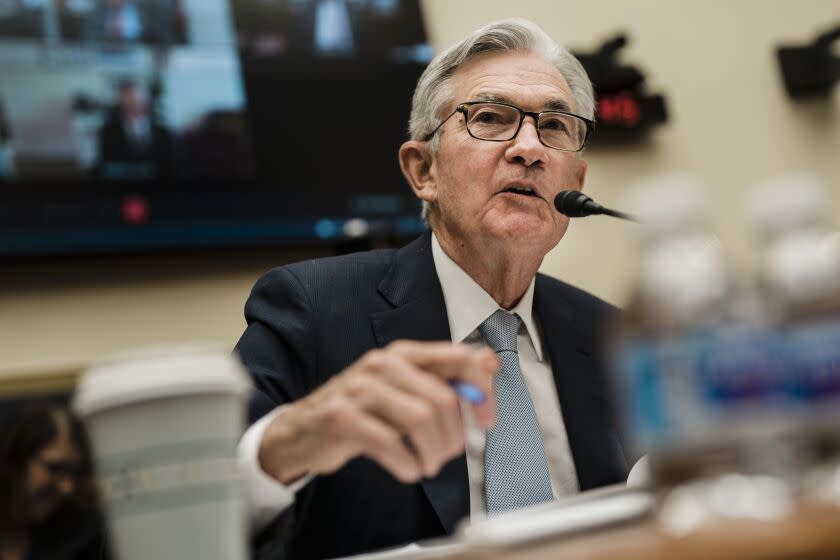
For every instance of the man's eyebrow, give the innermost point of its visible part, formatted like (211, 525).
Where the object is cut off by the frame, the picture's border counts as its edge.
(493, 98)
(558, 105)
(552, 105)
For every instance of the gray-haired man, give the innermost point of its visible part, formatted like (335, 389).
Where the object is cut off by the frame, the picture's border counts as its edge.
(353, 357)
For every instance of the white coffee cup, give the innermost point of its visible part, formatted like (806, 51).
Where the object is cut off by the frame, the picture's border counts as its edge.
(163, 424)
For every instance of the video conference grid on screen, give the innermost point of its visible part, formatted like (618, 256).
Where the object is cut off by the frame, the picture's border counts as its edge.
(137, 90)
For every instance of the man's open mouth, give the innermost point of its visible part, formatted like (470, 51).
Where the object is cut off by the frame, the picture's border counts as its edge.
(526, 191)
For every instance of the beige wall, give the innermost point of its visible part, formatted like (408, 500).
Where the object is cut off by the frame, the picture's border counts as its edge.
(730, 122)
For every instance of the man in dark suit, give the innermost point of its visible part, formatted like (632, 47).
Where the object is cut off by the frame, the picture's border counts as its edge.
(356, 421)
(132, 145)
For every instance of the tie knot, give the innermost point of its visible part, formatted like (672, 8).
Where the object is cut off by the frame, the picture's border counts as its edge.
(499, 329)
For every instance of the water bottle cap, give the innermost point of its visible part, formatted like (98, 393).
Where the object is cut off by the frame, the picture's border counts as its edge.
(787, 202)
(668, 203)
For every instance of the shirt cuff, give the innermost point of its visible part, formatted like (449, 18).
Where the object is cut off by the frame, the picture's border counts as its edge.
(639, 476)
(266, 496)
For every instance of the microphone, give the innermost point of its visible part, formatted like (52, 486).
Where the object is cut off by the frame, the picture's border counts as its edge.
(575, 204)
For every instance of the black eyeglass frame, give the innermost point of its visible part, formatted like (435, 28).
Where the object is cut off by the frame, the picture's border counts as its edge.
(464, 107)
(61, 468)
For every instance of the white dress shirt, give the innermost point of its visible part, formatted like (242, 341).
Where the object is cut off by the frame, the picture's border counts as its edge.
(467, 306)
(124, 23)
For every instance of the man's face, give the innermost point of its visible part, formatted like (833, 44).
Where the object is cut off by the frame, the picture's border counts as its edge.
(51, 476)
(470, 176)
(132, 101)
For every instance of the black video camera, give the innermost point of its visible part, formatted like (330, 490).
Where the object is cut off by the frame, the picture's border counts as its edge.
(811, 71)
(625, 110)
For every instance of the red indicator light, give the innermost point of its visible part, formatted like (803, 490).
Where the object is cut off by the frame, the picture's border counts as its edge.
(620, 109)
(135, 209)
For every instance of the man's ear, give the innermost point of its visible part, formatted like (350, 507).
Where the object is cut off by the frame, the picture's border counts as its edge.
(580, 173)
(418, 166)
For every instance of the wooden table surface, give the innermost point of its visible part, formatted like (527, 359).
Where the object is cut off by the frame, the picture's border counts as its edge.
(812, 533)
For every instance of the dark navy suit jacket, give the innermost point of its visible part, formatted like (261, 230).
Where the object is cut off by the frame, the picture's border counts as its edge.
(310, 320)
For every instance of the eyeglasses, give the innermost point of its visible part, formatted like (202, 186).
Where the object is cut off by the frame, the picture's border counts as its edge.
(500, 122)
(61, 469)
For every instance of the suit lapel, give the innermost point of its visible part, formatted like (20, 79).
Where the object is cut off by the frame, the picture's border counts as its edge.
(412, 287)
(583, 393)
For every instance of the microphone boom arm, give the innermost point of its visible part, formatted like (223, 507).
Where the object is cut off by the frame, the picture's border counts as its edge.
(575, 204)
(617, 214)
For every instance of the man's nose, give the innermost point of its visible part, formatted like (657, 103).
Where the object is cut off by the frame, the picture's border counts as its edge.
(66, 485)
(526, 147)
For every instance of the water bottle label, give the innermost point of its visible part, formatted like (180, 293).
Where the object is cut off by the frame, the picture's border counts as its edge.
(814, 357)
(697, 387)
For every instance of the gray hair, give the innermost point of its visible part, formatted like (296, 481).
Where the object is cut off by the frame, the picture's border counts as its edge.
(432, 96)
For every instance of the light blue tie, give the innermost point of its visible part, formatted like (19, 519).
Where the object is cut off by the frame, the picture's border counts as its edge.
(515, 468)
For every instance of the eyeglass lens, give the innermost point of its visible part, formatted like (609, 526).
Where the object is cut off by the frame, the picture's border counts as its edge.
(492, 121)
(61, 469)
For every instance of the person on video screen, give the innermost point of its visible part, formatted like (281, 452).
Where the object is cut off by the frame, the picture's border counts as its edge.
(331, 28)
(48, 508)
(6, 151)
(117, 22)
(20, 19)
(132, 145)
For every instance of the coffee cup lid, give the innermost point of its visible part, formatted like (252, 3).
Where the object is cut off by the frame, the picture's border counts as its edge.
(158, 372)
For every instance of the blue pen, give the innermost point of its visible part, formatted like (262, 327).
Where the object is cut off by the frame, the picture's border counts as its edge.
(468, 391)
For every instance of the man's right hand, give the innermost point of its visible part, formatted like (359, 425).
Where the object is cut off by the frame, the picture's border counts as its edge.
(394, 405)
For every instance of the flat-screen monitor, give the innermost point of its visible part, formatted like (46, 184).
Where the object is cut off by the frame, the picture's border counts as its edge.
(144, 125)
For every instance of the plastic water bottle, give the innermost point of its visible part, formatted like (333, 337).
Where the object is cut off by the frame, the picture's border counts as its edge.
(696, 367)
(680, 300)
(799, 272)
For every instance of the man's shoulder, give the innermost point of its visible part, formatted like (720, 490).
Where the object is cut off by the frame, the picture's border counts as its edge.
(589, 314)
(336, 274)
(345, 266)
(572, 295)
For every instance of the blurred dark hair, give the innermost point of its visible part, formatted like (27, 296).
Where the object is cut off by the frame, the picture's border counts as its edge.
(27, 429)
(126, 83)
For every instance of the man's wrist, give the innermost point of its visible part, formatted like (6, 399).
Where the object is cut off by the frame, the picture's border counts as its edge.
(266, 495)
(276, 455)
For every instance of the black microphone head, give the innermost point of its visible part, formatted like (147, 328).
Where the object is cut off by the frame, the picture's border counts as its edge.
(574, 204)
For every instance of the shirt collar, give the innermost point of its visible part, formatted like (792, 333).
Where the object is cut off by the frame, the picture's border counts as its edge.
(468, 305)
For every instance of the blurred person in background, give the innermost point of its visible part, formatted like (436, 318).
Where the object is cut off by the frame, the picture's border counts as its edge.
(120, 22)
(48, 508)
(21, 19)
(329, 28)
(7, 154)
(132, 144)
